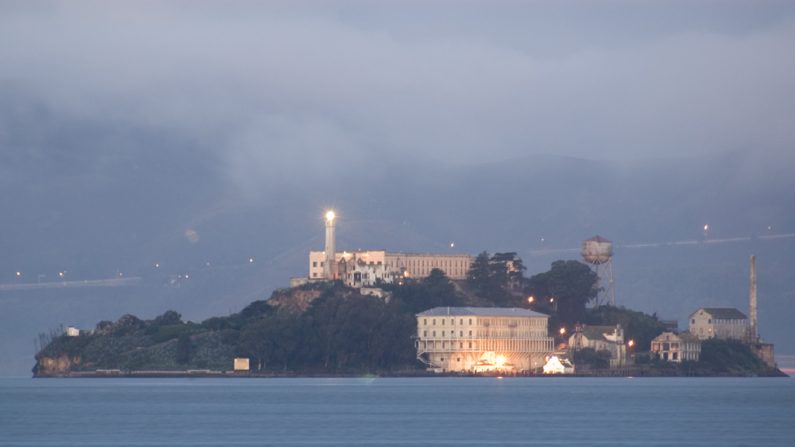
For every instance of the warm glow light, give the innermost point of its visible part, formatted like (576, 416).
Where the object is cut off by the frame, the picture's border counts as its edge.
(563, 331)
(631, 343)
(552, 300)
(499, 361)
(530, 299)
(19, 274)
(706, 227)
(330, 215)
(60, 274)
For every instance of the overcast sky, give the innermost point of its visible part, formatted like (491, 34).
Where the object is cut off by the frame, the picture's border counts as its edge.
(264, 86)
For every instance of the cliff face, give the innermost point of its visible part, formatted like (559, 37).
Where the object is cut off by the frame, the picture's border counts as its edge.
(61, 365)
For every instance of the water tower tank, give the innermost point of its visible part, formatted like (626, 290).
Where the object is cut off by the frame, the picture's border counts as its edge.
(597, 250)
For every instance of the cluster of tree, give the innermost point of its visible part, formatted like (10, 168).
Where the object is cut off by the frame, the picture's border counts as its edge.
(345, 331)
(497, 278)
(563, 291)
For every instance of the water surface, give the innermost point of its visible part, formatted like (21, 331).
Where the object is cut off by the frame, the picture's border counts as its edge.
(416, 411)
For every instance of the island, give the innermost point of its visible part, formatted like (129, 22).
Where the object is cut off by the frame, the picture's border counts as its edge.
(328, 328)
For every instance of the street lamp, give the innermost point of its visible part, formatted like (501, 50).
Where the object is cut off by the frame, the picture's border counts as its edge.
(530, 299)
(562, 331)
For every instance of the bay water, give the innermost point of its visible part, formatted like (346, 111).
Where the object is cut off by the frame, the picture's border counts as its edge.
(398, 411)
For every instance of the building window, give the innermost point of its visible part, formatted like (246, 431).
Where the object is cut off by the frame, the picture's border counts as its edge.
(434, 321)
(424, 321)
(460, 333)
(442, 333)
(461, 322)
(434, 333)
(470, 345)
(424, 333)
(314, 263)
(470, 333)
(709, 321)
(470, 321)
(675, 356)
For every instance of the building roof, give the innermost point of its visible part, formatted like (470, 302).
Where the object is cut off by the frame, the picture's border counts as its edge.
(682, 336)
(598, 238)
(481, 312)
(723, 313)
(597, 332)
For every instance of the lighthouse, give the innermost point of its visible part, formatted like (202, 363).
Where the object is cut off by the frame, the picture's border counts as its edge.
(330, 261)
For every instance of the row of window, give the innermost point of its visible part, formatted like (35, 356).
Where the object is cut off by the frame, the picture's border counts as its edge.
(443, 320)
(452, 333)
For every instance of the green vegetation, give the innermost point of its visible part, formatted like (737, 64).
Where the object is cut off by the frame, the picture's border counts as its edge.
(564, 291)
(340, 332)
(497, 278)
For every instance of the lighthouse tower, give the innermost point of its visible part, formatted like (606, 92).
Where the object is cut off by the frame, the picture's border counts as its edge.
(330, 261)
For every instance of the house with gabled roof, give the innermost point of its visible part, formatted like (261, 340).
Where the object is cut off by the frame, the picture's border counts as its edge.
(601, 338)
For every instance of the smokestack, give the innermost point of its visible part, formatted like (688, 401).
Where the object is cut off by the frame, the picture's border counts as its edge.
(329, 267)
(752, 301)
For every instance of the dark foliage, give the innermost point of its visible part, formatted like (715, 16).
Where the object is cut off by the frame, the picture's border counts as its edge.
(564, 290)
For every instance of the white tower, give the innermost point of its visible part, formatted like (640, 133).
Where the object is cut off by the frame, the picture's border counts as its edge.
(754, 335)
(330, 262)
(598, 252)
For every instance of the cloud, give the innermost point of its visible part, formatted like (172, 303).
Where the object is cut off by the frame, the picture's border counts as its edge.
(268, 89)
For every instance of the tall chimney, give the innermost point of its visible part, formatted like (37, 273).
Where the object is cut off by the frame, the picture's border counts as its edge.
(330, 263)
(752, 301)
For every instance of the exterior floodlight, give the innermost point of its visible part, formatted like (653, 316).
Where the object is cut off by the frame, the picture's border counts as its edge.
(330, 215)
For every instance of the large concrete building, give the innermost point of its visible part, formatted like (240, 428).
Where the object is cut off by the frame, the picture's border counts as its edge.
(380, 265)
(719, 322)
(479, 339)
(365, 268)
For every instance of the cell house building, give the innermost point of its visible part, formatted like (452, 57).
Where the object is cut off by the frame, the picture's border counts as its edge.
(483, 340)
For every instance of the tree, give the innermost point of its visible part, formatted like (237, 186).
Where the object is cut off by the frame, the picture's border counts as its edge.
(564, 290)
(183, 349)
(479, 274)
(495, 278)
(433, 291)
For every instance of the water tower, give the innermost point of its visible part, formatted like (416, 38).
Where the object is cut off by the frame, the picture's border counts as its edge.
(598, 252)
